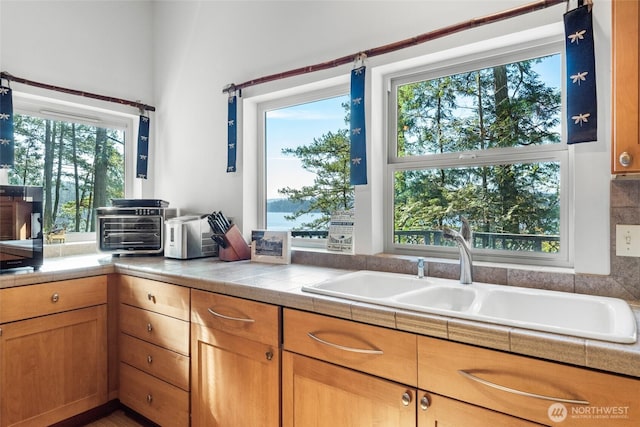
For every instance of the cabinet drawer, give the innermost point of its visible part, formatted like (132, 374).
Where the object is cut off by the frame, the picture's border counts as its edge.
(165, 364)
(38, 300)
(163, 298)
(165, 331)
(244, 318)
(155, 399)
(372, 349)
(442, 366)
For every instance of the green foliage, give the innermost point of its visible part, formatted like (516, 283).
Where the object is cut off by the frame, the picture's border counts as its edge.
(61, 157)
(503, 106)
(328, 158)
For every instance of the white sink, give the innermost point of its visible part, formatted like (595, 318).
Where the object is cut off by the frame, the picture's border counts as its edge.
(586, 316)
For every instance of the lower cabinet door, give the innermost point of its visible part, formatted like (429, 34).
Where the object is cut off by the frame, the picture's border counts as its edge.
(53, 367)
(319, 394)
(234, 381)
(438, 411)
(157, 400)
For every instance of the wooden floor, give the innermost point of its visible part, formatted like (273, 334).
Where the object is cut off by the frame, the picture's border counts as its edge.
(116, 419)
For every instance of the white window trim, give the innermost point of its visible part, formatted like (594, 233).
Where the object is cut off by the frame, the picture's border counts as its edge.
(274, 104)
(56, 109)
(553, 152)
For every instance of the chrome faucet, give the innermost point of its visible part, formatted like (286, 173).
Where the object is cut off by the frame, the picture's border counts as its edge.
(463, 241)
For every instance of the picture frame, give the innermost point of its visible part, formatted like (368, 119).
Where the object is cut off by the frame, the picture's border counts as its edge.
(271, 246)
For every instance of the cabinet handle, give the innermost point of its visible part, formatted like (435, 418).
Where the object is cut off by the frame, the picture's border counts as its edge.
(151, 297)
(342, 347)
(149, 359)
(149, 327)
(237, 319)
(625, 159)
(149, 398)
(424, 403)
(269, 355)
(55, 297)
(406, 398)
(519, 392)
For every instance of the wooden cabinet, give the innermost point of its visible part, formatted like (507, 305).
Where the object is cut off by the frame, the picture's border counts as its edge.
(235, 361)
(52, 366)
(625, 86)
(532, 389)
(154, 350)
(440, 411)
(320, 394)
(365, 375)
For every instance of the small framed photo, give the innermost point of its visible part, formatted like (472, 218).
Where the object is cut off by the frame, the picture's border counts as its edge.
(271, 246)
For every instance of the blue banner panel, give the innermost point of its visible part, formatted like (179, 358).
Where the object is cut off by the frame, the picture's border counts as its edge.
(143, 148)
(6, 128)
(358, 134)
(232, 134)
(582, 105)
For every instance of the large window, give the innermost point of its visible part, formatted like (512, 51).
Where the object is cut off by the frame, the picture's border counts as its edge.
(306, 146)
(78, 159)
(483, 143)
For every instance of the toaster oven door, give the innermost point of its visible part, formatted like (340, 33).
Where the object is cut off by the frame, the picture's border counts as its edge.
(131, 234)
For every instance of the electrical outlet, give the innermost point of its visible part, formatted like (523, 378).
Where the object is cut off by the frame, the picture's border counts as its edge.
(628, 240)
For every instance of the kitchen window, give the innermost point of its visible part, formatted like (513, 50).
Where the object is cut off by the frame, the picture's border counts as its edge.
(306, 162)
(76, 154)
(480, 140)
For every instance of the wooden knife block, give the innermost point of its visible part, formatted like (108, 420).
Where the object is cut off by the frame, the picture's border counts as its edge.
(237, 249)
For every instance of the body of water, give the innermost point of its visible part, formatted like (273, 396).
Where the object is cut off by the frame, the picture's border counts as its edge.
(276, 220)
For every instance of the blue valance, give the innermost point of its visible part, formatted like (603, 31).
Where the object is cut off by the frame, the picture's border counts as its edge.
(232, 134)
(6, 128)
(143, 148)
(582, 105)
(358, 134)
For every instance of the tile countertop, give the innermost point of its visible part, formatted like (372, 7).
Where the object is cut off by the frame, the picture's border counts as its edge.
(280, 285)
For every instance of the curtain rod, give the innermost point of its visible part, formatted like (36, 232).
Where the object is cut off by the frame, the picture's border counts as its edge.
(392, 47)
(138, 105)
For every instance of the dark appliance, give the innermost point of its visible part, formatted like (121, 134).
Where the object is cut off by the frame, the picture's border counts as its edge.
(132, 226)
(20, 227)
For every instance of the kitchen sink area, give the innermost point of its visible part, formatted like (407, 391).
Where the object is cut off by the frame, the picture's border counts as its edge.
(585, 316)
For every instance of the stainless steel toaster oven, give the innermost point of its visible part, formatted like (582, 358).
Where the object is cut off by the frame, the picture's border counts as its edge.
(131, 230)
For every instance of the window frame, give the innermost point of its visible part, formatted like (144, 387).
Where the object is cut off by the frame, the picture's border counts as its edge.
(275, 104)
(61, 110)
(553, 152)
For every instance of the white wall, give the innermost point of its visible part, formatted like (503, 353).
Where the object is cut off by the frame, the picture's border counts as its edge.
(102, 47)
(178, 55)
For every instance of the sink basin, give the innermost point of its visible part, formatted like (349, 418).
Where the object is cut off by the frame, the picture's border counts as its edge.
(368, 285)
(586, 316)
(439, 298)
(596, 317)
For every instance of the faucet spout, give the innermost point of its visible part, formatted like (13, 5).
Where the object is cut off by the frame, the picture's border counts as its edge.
(463, 241)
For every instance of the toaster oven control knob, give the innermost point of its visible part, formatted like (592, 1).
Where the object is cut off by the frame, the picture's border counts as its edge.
(55, 297)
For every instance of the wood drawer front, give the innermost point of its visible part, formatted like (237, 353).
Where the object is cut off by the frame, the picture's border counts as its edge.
(159, 297)
(386, 353)
(440, 361)
(165, 364)
(157, 400)
(165, 331)
(25, 302)
(244, 318)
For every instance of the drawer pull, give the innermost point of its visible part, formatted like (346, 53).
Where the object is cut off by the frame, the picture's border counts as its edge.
(149, 359)
(406, 398)
(149, 327)
(149, 399)
(519, 392)
(424, 403)
(237, 319)
(55, 297)
(342, 347)
(151, 297)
